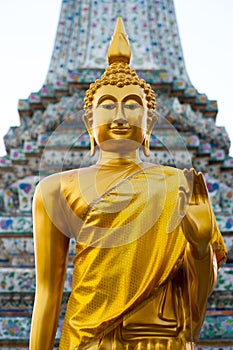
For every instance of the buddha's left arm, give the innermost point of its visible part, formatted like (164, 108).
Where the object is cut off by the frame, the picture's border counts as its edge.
(200, 261)
(201, 275)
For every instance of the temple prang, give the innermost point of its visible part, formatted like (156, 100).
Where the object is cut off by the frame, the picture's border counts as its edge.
(51, 137)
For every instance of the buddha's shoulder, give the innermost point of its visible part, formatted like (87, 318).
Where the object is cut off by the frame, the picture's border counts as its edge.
(48, 186)
(172, 170)
(55, 182)
(164, 169)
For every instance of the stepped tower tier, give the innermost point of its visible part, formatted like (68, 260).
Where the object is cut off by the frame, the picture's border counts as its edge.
(85, 28)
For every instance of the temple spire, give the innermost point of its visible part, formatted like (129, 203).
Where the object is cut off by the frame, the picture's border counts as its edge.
(119, 49)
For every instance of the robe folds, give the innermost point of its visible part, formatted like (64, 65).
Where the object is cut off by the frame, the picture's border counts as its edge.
(130, 245)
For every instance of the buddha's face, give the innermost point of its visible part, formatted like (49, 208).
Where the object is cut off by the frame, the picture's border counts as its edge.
(119, 118)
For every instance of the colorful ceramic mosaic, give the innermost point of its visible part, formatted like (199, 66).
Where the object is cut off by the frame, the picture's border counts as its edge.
(19, 328)
(5, 162)
(23, 303)
(214, 193)
(15, 224)
(226, 199)
(33, 164)
(221, 302)
(7, 178)
(17, 154)
(228, 163)
(26, 189)
(58, 160)
(213, 347)
(21, 170)
(11, 199)
(67, 113)
(23, 105)
(226, 177)
(20, 252)
(204, 148)
(225, 279)
(16, 348)
(217, 327)
(229, 244)
(173, 140)
(47, 90)
(152, 32)
(201, 163)
(65, 140)
(225, 223)
(30, 147)
(217, 155)
(14, 251)
(34, 97)
(22, 280)
(214, 169)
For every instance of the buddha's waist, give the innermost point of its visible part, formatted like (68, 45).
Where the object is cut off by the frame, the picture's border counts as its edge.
(139, 330)
(119, 339)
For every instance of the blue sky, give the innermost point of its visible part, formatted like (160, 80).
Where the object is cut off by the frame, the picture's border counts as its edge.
(28, 30)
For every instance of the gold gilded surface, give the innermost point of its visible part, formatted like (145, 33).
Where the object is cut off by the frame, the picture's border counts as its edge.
(148, 245)
(119, 49)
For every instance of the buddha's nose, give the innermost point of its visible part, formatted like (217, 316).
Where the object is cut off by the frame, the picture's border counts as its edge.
(120, 121)
(120, 118)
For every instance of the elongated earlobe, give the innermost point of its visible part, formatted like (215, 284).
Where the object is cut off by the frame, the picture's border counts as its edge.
(93, 145)
(146, 145)
(88, 120)
(151, 120)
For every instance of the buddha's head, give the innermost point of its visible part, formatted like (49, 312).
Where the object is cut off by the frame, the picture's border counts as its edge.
(119, 105)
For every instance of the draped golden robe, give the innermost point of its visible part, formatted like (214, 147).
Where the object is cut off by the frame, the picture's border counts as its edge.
(132, 265)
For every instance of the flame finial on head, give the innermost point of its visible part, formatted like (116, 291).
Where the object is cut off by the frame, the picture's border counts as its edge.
(119, 49)
(119, 73)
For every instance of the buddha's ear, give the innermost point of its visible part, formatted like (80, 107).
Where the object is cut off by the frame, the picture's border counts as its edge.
(146, 144)
(151, 120)
(93, 144)
(87, 118)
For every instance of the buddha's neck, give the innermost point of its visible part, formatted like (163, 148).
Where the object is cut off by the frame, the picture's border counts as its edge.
(115, 158)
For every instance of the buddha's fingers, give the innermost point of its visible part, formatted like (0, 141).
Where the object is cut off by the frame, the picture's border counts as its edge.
(197, 186)
(183, 201)
(199, 189)
(190, 176)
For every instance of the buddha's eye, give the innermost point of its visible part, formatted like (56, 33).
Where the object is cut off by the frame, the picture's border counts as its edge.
(107, 105)
(132, 106)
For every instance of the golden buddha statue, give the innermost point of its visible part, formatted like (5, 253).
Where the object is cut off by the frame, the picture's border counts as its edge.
(148, 246)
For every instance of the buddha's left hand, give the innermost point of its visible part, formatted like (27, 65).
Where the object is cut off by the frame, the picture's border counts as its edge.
(196, 212)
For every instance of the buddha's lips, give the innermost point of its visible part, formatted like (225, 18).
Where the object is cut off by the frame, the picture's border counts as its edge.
(120, 129)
